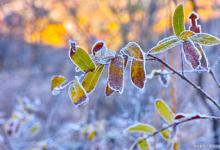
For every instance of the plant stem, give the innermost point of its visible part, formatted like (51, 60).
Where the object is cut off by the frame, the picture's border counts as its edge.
(196, 117)
(214, 77)
(187, 80)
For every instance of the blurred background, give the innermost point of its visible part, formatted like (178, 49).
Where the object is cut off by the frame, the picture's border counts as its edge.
(34, 46)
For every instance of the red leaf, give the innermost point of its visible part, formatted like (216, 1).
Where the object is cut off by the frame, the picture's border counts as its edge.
(97, 47)
(191, 54)
(116, 74)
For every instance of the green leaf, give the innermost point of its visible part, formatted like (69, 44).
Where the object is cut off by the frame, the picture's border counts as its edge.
(92, 78)
(145, 128)
(143, 144)
(165, 134)
(56, 82)
(164, 111)
(165, 45)
(205, 39)
(81, 59)
(178, 20)
(166, 39)
(185, 35)
(77, 93)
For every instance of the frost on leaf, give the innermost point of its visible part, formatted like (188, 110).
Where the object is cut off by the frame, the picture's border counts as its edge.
(143, 144)
(125, 60)
(116, 74)
(166, 39)
(165, 134)
(164, 45)
(165, 112)
(186, 34)
(108, 90)
(205, 39)
(77, 93)
(178, 20)
(133, 50)
(164, 78)
(101, 53)
(143, 128)
(204, 61)
(92, 78)
(81, 59)
(138, 73)
(56, 83)
(191, 54)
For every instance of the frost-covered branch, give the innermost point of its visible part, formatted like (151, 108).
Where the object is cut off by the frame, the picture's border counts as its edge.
(176, 123)
(187, 80)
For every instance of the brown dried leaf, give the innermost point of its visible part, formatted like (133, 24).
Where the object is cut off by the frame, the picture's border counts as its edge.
(191, 54)
(116, 74)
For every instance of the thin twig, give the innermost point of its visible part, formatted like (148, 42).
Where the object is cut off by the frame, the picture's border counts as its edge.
(196, 117)
(182, 64)
(187, 80)
(214, 77)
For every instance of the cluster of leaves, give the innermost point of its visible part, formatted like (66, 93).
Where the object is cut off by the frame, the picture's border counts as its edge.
(92, 66)
(191, 40)
(168, 134)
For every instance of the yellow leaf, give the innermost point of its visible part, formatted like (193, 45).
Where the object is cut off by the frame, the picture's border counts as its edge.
(77, 93)
(81, 59)
(56, 82)
(91, 79)
(186, 34)
(166, 134)
(175, 146)
(143, 144)
(164, 111)
(145, 128)
(92, 134)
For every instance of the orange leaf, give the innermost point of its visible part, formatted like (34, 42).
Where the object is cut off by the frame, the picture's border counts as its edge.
(138, 73)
